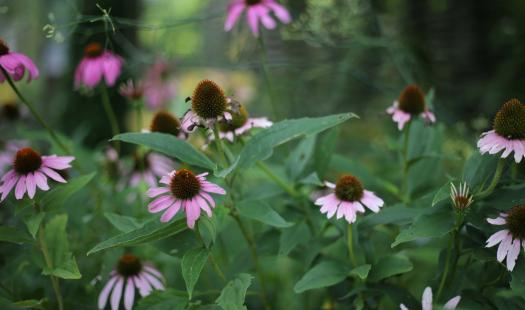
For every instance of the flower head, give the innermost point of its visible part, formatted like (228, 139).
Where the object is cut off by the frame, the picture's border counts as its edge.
(165, 122)
(209, 104)
(348, 198)
(131, 90)
(97, 63)
(31, 170)
(508, 134)
(183, 189)
(256, 11)
(130, 274)
(148, 167)
(411, 103)
(16, 64)
(158, 89)
(240, 124)
(461, 199)
(510, 239)
(9, 149)
(426, 302)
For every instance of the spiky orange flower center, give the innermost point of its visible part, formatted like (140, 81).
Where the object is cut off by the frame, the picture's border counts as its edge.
(129, 265)
(349, 188)
(208, 100)
(27, 160)
(184, 184)
(165, 122)
(412, 100)
(238, 120)
(516, 222)
(510, 120)
(93, 50)
(4, 49)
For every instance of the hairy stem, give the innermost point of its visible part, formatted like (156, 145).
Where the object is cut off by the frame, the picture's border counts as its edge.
(495, 179)
(350, 243)
(36, 115)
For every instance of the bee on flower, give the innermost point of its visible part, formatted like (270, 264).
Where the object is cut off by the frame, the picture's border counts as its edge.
(240, 124)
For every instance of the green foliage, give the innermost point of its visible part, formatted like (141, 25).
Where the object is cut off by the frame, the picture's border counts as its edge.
(233, 294)
(324, 274)
(192, 263)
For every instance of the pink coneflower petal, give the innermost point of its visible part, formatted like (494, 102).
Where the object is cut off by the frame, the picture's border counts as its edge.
(129, 294)
(117, 293)
(504, 247)
(31, 185)
(153, 271)
(111, 68)
(8, 185)
(212, 188)
(153, 281)
(497, 221)
(146, 286)
(103, 297)
(203, 205)
(209, 199)
(266, 19)
(155, 191)
(512, 255)
(426, 302)
(282, 14)
(56, 162)
(52, 174)
(170, 213)
(253, 21)
(234, 12)
(452, 303)
(497, 238)
(160, 203)
(371, 201)
(20, 187)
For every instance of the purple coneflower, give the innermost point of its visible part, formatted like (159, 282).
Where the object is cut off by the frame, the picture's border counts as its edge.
(130, 274)
(97, 63)
(16, 64)
(132, 91)
(240, 124)
(184, 190)
(411, 103)
(348, 198)
(149, 167)
(31, 170)
(158, 89)
(256, 11)
(426, 302)
(508, 134)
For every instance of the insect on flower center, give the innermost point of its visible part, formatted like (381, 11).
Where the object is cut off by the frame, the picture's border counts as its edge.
(253, 2)
(516, 222)
(93, 50)
(349, 188)
(412, 100)
(510, 120)
(129, 265)
(208, 100)
(184, 184)
(26, 161)
(238, 120)
(165, 122)
(4, 49)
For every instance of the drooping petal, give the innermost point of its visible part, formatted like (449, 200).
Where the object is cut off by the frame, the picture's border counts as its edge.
(41, 181)
(117, 293)
(512, 256)
(452, 303)
(371, 201)
(213, 188)
(155, 191)
(504, 247)
(497, 221)
(20, 187)
(104, 294)
(234, 12)
(280, 11)
(153, 281)
(160, 203)
(111, 67)
(31, 185)
(253, 21)
(8, 185)
(52, 174)
(129, 294)
(426, 302)
(497, 238)
(172, 210)
(57, 162)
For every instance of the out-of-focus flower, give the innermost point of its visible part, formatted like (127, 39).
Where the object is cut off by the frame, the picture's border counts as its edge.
(208, 106)
(158, 90)
(510, 239)
(240, 124)
(256, 11)
(148, 168)
(508, 134)
(165, 122)
(411, 103)
(97, 63)
(9, 151)
(426, 302)
(348, 198)
(16, 64)
(131, 90)
(184, 190)
(130, 275)
(461, 199)
(31, 170)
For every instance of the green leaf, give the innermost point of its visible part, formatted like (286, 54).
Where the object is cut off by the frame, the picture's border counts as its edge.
(479, 169)
(233, 294)
(63, 262)
(152, 231)
(192, 263)
(262, 212)
(261, 145)
(390, 266)
(293, 236)
(324, 274)
(442, 194)
(518, 277)
(163, 300)
(29, 304)
(300, 157)
(57, 197)
(122, 222)
(361, 271)
(325, 150)
(398, 214)
(13, 235)
(311, 179)
(33, 223)
(432, 225)
(169, 145)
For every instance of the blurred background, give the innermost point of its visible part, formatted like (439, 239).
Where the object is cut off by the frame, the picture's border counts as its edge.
(336, 56)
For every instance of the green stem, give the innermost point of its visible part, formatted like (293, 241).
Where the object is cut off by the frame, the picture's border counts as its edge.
(495, 179)
(218, 143)
(35, 113)
(447, 266)
(210, 257)
(278, 180)
(350, 243)
(253, 251)
(49, 263)
(139, 115)
(264, 60)
(110, 114)
(404, 187)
